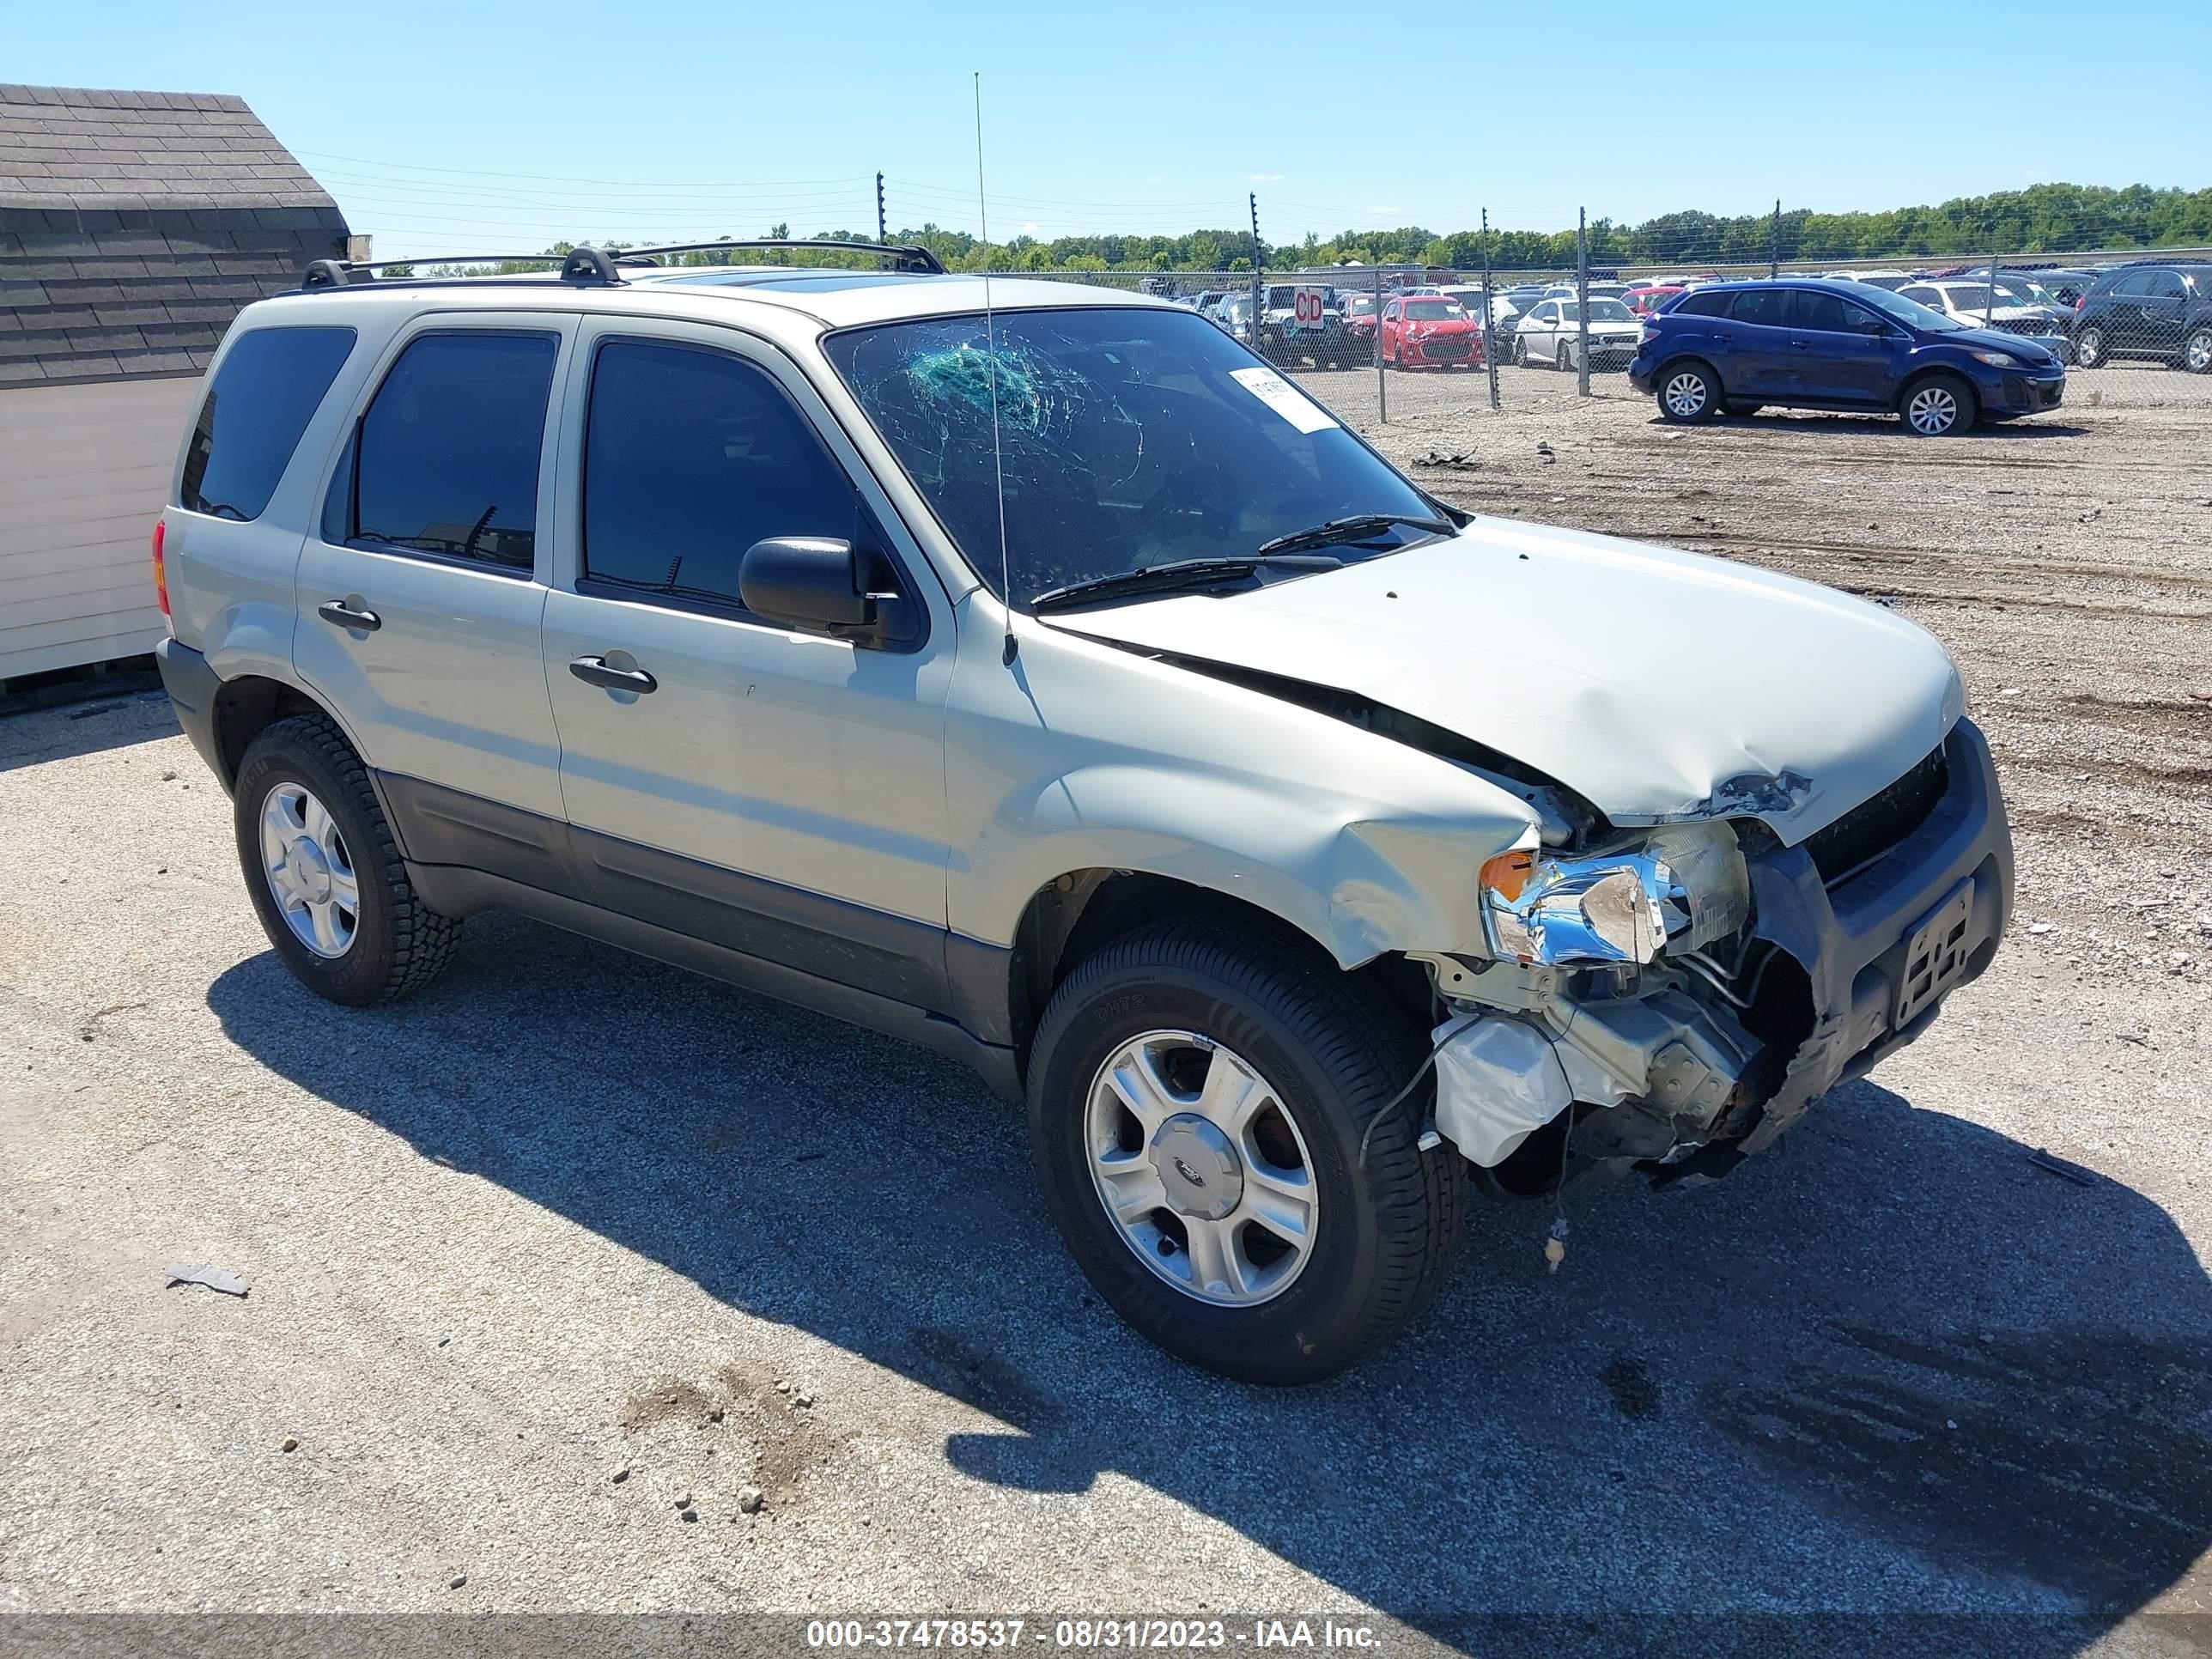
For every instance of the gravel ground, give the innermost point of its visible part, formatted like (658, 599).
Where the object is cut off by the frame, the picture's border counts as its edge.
(569, 1239)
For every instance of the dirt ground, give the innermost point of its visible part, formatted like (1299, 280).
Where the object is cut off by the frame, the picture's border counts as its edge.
(561, 1243)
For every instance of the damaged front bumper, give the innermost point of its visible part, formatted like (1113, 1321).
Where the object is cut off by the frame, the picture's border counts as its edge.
(1687, 1067)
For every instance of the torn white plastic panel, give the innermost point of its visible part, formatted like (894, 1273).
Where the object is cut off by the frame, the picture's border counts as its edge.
(1498, 1081)
(1660, 685)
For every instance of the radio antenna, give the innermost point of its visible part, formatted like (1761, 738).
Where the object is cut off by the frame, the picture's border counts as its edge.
(991, 360)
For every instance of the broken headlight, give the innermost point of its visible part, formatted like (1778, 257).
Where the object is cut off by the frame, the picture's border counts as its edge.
(1684, 883)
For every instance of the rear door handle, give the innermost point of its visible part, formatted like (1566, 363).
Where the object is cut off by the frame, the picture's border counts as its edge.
(594, 670)
(339, 614)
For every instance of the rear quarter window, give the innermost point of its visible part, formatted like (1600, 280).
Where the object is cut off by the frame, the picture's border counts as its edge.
(270, 385)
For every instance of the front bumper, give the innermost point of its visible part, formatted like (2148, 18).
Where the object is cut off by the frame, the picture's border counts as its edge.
(2008, 391)
(1852, 938)
(192, 685)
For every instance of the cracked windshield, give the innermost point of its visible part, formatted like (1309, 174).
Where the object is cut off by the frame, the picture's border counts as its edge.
(1131, 439)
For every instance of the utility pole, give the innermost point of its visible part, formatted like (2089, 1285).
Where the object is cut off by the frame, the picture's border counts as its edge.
(883, 228)
(1774, 242)
(1582, 300)
(1256, 280)
(1489, 315)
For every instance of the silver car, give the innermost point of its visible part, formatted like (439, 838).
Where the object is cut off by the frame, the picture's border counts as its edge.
(1551, 334)
(1056, 686)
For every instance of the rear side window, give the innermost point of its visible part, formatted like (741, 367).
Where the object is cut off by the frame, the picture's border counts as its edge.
(269, 387)
(692, 455)
(445, 461)
(1706, 302)
(1767, 307)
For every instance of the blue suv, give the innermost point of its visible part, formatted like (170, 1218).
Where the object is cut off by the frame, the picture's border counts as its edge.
(1733, 347)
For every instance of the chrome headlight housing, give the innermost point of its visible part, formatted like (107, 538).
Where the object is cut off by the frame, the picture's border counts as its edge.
(1684, 883)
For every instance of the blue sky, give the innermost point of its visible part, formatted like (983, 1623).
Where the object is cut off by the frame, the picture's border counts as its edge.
(474, 127)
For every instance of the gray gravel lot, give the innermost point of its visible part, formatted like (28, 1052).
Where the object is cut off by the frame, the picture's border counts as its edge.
(572, 1237)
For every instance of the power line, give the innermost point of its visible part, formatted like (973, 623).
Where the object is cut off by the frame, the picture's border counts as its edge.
(563, 178)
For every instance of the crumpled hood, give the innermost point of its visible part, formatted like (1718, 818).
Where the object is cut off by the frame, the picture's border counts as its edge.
(1657, 684)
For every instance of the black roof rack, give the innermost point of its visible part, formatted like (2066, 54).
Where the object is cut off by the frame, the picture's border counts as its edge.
(580, 265)
(907, 256)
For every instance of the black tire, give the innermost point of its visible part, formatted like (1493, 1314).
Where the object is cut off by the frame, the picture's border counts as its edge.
(2090, 349)
(1520, 352)
(1682, 402)
(1562, 360)
(398, 944)
(1335, 1055)
(2197, 351)
(1965, 407)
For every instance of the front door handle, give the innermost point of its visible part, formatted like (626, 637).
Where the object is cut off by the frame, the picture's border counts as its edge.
(339, 614)
(595, 670)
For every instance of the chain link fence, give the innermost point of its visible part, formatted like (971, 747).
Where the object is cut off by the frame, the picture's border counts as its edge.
(1404, 341)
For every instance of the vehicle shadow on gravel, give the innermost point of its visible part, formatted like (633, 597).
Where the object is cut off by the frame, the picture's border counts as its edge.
(1897, 1369)
(1820, 423)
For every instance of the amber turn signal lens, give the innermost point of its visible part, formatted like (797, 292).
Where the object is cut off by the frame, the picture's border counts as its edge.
(1508, 873)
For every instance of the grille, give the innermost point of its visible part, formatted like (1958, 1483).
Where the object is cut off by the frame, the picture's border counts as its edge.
(1878, 823)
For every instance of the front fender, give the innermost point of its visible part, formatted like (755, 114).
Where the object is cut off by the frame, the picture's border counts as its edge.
(1094, 757)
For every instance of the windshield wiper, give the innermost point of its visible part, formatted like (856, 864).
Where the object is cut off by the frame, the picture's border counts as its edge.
(1358, 527)
(1181, 573)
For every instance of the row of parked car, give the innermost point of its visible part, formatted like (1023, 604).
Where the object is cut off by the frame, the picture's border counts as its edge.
(2152, 309)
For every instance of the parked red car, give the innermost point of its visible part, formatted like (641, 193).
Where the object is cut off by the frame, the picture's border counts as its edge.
(1429, 331)
(1647, 297)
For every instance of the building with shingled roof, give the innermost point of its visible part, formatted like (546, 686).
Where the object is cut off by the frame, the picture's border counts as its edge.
(133, 228)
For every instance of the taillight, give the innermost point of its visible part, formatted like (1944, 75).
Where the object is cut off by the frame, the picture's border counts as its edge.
(160, 568)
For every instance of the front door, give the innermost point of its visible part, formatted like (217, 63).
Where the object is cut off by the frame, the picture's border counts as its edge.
(1844, 352)
(778, 792)
(421, 593)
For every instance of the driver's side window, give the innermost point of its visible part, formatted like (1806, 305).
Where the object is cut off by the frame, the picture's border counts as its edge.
(690, 456)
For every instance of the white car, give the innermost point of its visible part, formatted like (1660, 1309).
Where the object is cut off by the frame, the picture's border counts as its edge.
(1966, 301)
(1060, 688)
(1552, 335)
(1470, 300)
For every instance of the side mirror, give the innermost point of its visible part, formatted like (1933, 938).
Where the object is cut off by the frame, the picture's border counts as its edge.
(810, 581)
(1874, 327)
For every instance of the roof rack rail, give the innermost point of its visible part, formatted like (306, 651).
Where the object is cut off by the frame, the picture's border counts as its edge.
(909, 256)
(578, 264)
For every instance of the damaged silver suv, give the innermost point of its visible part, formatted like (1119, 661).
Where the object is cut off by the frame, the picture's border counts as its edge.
(1056, 686)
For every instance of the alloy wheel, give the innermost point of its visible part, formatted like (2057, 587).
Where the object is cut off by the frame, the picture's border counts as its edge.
(2199, 354)
(1201, 1169)
(309, 869)
(2089, 349)
(1934, 410)
(1686, 395)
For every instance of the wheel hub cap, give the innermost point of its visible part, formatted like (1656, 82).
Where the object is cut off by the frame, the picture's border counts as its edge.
(1198, 1167)
(307, 872)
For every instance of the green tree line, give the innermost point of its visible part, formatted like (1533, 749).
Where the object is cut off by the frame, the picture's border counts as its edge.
(2042, 219)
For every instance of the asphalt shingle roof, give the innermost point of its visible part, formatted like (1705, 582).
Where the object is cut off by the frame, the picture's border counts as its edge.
(135, 225)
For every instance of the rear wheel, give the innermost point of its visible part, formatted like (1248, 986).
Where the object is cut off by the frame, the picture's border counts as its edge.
(1197, 1097)
(1563, 360)
(324, 873)
(2197, 354)
(1520, 352)
(1688, 393)
(2089, 347)
(1938, 406)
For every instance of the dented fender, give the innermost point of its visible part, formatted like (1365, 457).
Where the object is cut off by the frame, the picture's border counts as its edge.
(1083, 755)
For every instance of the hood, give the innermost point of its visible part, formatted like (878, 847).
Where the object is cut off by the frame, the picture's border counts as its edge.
(1657, 684)
(2022, 346)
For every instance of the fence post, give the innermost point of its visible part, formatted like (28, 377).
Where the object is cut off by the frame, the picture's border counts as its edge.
(1774, 242)
(1990, 310)
(1382, 379)
(1259, 278)
(1489, 315)
(1582, 300)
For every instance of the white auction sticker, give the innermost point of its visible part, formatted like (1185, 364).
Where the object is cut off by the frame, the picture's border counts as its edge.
(1286, 399)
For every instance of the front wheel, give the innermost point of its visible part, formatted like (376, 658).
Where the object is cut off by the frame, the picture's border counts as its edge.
(324, 873)
(2197, 355)
(1937, 407)
(1197, 1096)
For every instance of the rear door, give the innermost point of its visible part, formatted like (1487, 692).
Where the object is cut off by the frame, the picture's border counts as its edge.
(778, 792)
(420, 594)
(1760, 363)
(2164, 301)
